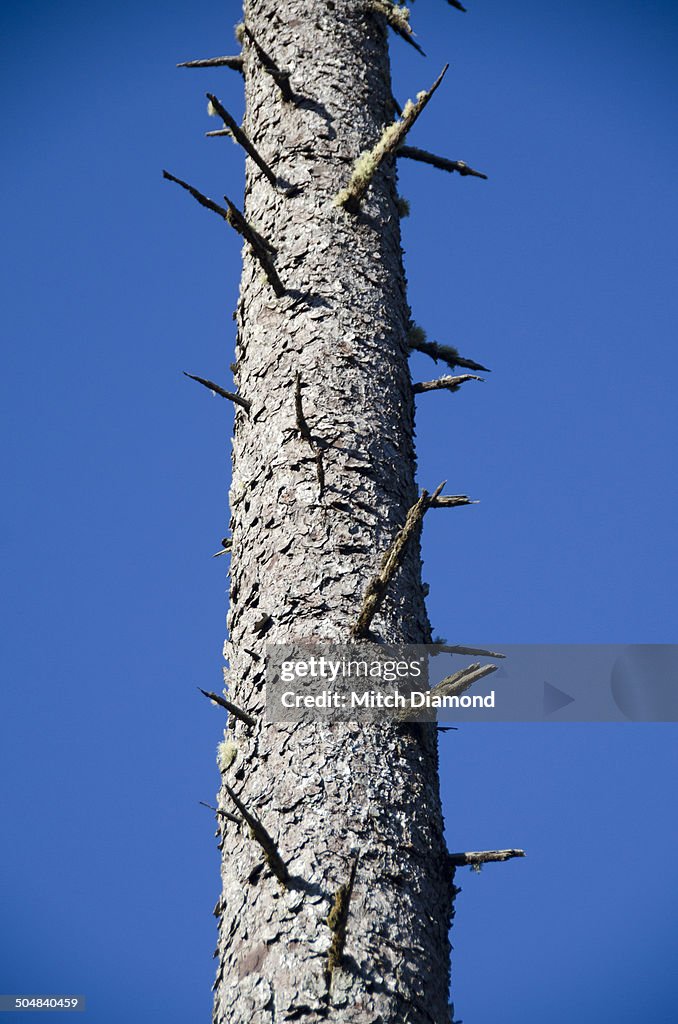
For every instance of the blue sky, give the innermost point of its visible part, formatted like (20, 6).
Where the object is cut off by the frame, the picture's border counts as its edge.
(559, 273)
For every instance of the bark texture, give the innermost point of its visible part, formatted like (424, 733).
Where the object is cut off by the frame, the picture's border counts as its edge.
(303, 550)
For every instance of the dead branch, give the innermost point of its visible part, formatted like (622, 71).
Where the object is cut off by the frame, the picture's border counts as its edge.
(226, 545)
(391, 562)
(305, 433)
(230, 395)
(444, 383)
(241, 138)
(451, 501)
(280, 77)
(460, 682)
(441, 162)
(235, 63)
(198, 196)
(369, 162)
(260, 247)
(469, 651)
(475, 859)
(453, 686)
(222, 814)
(261, 836)
(398, 19)
(232, 215)
(447, 353)
(232, 708)
(337, 920)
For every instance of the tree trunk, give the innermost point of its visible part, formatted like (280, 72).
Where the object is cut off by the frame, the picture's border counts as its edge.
(303, 550)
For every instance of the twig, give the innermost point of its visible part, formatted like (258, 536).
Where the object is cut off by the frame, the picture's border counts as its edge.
(260, 247)
(390, 563)
(261, 836)
(281, 78)
(457, 4)
(337, 920)
(444, 383)
(441, 162)
(305, 433)
(447, 353)
(232, 397)
(398, 19)
(240, 137)
(475, 859)
(235, 63)
(368, 162)
(232, 708)
(223, 814)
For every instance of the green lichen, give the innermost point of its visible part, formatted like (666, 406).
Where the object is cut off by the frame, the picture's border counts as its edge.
(239, 30)
(369, 160)
(397, 17)
(227, 751)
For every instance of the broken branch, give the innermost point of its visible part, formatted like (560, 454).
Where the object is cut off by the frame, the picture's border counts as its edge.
(232, 397)
(444, 383)
(240, 137)
(475, 859)
(235, 63)
(470, 651)
(368, 163)
(391, 562)
(232, 708)
(441, 162)
(226, 545)
(451, 501)
(261, 836)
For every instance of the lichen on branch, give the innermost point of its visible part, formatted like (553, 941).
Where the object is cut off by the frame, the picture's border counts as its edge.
(368, 163)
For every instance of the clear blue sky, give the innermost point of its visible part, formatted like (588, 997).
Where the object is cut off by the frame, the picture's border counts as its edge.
(559, 273)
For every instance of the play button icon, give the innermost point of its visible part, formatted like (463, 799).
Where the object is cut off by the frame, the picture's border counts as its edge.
(555, 699)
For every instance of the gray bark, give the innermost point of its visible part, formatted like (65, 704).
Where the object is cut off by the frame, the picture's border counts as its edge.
(302, 555)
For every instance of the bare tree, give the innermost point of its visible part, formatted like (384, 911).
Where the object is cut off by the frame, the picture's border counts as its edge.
(337, 885)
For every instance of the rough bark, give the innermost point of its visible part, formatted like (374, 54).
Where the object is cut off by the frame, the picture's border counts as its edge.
(302, 555)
